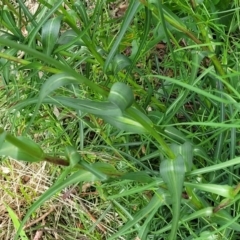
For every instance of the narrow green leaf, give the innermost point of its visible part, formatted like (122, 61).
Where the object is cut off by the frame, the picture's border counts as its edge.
(16, 222)
(26, 145)
(74, 158)
(87, 106)
(194, 89)
(172, 173)
(54, 82)
(137, 190)
(215, 167)
(143, 120)
(195, 201)
(131, 11)
(143, 40)
(222, 190)
(107, 169)
(49, 60)
(58, 80)
(175, 134)
(93, 107)
(50, 31)
(81, 10)
(202, 213)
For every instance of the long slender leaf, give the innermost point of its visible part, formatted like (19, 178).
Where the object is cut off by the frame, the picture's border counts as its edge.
(88, 106)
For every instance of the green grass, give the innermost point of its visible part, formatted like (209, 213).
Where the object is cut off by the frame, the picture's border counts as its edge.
(120, 120)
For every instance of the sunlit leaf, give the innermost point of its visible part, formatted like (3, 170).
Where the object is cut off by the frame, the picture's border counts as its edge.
(222, 190)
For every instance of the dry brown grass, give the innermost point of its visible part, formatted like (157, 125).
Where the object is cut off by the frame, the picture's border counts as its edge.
(21, 184)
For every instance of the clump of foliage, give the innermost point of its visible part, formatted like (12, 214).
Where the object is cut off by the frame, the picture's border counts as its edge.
(169, 119)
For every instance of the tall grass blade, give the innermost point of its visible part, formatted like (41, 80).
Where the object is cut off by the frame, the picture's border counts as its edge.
(131, 11)
(172, 173)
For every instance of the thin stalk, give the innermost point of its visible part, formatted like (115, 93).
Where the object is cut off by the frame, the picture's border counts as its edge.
(220, 141)
(233, 144)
